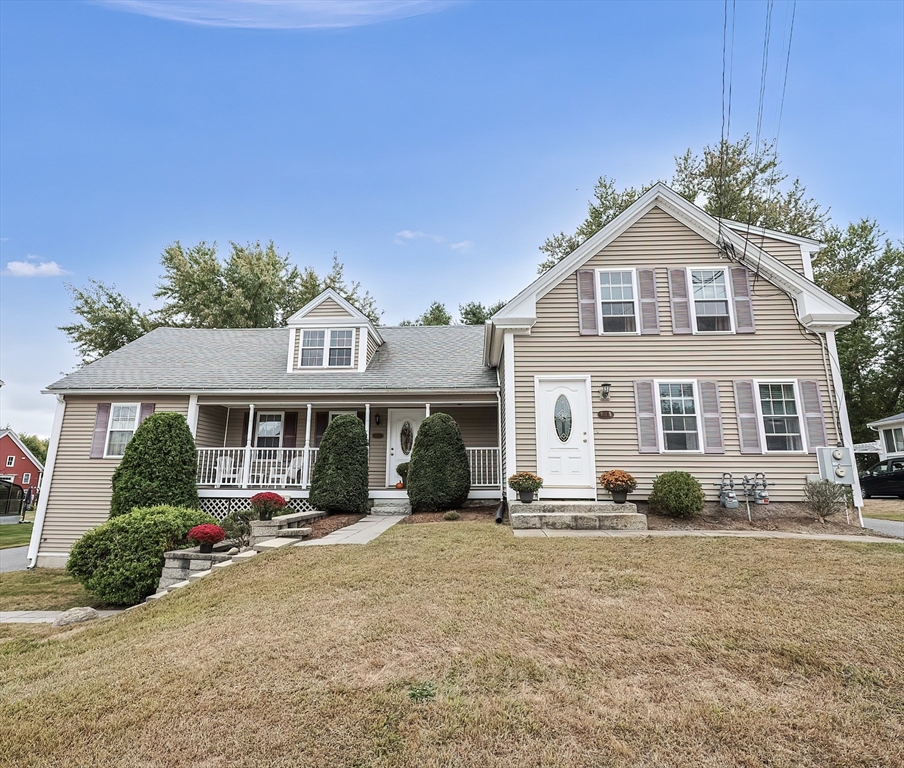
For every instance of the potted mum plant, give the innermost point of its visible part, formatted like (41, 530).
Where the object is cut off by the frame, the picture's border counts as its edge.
(207, 535)
(619, 483)
(402, 471)
(527, 484)
(266, 504)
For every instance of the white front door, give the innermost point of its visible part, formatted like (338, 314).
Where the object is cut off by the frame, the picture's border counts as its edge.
(403, 426)
(565, 438)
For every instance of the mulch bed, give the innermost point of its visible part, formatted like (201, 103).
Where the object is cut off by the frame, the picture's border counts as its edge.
(469, 515)
(321, 526)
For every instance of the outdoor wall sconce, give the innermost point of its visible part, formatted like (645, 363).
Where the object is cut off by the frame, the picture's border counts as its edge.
(377, 419)
(605, 387)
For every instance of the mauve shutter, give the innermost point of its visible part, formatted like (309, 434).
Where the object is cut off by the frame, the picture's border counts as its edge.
(649, 310)
(587, 302)
(245, 420)
(748, 428)
(813, 415)
(290, 429)
(146, 410)
(99, 439)
(743, 306)
(681, 305)
(321, 420)
(645, 405)
(713, 440)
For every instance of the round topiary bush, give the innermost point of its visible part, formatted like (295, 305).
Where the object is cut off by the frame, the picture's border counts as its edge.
(158, 466)
(120, 561)
(676, 494)
(439, 476)
(339, 480)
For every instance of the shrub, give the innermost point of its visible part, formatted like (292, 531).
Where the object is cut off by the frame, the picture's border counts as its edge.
(525, 482)
(402, 470)
(676, 494)
(120, 561)
(266, 504)
(158, 466)
(339, 481)
(207, 533)
(823, 497)
(618, 480)
(439, 475)
(451, 515)
(237, 526)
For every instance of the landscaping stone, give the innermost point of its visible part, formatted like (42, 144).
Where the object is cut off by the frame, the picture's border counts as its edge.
(576, 515)
(233, 551)
(75, 616)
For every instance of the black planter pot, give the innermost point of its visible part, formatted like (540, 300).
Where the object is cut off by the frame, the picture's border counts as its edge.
(526, 496)
(619, 497)
(206, 547)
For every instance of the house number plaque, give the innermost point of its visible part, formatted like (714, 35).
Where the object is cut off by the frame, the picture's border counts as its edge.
(606, 414)
(377, 435)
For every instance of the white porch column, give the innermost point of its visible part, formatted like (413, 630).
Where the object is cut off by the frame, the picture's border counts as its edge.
(367, 424)
(306, 462)
(246, 471)
(428, 408)
(192, 417)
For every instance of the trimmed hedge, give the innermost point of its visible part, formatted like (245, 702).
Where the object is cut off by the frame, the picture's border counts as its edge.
(339, 480)
(676, 494)
(158, 466)
(120, 561)
(439, 476)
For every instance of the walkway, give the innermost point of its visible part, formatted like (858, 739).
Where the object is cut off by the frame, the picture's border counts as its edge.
(362, 532)
(41, 617)
(888, 527)
(13, 559)
(550, 533)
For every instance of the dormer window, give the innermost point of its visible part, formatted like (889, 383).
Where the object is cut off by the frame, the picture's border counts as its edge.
(317, 353)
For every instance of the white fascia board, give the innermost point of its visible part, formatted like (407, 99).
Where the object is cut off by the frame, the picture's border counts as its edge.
(46, 479)
(887, 423)
(285, 393)
(330, 322)
(755, 229)
(820, 315)
(329, 293)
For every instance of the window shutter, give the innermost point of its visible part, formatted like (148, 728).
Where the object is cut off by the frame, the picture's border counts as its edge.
(743, 305)
(745, 402)
(813, 415)
(99, 440)
(245, 419)
(587, 302)
(681, 305)
(146, 410)
(645, 405)
(713, 439)
(649, 310)
(321, 420)
(290, 429)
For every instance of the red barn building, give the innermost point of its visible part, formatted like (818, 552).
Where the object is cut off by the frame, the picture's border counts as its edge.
(17, 463)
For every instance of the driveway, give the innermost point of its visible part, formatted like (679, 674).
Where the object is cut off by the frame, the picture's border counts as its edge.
(13, 559)
(888, 527)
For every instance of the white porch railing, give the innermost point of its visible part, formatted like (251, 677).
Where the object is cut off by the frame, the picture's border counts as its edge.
(292, 468)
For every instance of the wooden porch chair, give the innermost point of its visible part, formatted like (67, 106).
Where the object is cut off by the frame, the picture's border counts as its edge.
(281, 477)
(226, 471)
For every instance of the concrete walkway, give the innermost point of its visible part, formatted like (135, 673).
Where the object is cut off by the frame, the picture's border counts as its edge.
(13, 559)
(362, 532)
(888, 527)
(41, 617)
(549, 533)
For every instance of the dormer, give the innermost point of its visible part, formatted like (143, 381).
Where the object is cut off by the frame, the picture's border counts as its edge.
(329, 334)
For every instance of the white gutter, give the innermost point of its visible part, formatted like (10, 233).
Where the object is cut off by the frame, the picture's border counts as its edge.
(46, 480)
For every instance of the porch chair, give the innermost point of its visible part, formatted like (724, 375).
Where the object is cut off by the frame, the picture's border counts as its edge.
(281, 477)
(226, 471)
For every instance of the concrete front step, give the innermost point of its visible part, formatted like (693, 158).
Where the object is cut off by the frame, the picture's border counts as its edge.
(266, 546)
(391, 507)
(577, 515)
(297, 533)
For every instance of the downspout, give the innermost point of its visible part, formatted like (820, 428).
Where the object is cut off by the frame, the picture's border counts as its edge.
(501, 509)
(46, 480)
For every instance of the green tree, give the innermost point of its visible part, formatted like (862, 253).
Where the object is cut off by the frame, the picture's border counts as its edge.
(436, 314)
(37, 445)
(475, 313)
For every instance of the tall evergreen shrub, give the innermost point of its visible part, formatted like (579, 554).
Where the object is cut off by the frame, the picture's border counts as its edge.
(339, 480)
(439, 476)
(158, 466)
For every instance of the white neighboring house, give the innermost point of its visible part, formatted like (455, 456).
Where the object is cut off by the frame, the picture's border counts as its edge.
(891, 436)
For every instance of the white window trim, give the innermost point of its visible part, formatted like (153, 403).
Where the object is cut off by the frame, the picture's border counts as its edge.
(113, 406)
(325, 362)
(8, 478)
(599, 302)
(897, 448)
(26, 478)
(282, 428)
(659, 414)
(333, 414)
(800, 415)
(10, 461)
(693, 308)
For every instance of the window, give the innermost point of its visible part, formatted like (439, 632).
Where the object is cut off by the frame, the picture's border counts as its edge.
(269, 430)
(316, 354)
(894, 440)
(26, 478)
(709, 288)
(10, 461)
(122, 425)
(780, 417)
(618, 301)
(678, 416)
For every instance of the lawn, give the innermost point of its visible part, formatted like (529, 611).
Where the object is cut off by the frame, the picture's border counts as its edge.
(454, 644)
(44, 589)
(15, 535)
(884, 509)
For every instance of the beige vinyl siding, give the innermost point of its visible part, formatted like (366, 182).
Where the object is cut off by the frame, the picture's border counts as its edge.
(80, 491)
(296, 352)
(211, 426)
(376, 469)
(778, 350)
(785, 252)
(328, 308)
(372, 346)
(479, 426)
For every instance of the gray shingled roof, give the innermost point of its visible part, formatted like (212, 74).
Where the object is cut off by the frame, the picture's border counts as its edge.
(417, 357)
(887, 419)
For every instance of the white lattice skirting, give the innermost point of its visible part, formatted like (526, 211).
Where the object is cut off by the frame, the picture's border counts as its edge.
(221, 507)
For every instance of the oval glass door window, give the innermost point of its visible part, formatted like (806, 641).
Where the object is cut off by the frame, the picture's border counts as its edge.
(406, 438)
(562, 418)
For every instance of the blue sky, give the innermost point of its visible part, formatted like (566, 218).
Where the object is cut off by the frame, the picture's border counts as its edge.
(478, 128)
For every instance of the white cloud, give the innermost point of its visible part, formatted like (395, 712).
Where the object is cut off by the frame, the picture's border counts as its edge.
(34, 268)
(464, 245)
(408, 235)
(280, 14)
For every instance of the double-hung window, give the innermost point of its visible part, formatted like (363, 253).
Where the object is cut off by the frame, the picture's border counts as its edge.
(26, 478)
(618, 301)
(10, 461)
(711, 300)
(679, 423)
(327, 348)
(269, 430)
(780, 416)
(894, 440)
(122, 425)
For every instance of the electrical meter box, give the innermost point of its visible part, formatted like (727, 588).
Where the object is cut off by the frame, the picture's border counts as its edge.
(836, 464)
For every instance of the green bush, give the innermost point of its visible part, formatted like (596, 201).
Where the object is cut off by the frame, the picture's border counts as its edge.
(451, 515)
(439, 476)
(676, 494)
(158, 466)
(339, 480)
(824, 497)
(120, 561)
(237, 526)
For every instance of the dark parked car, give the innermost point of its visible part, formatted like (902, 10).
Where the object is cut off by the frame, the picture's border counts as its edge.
(884, 479)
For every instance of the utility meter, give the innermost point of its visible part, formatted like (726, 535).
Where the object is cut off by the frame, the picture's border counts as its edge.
(836, 464)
